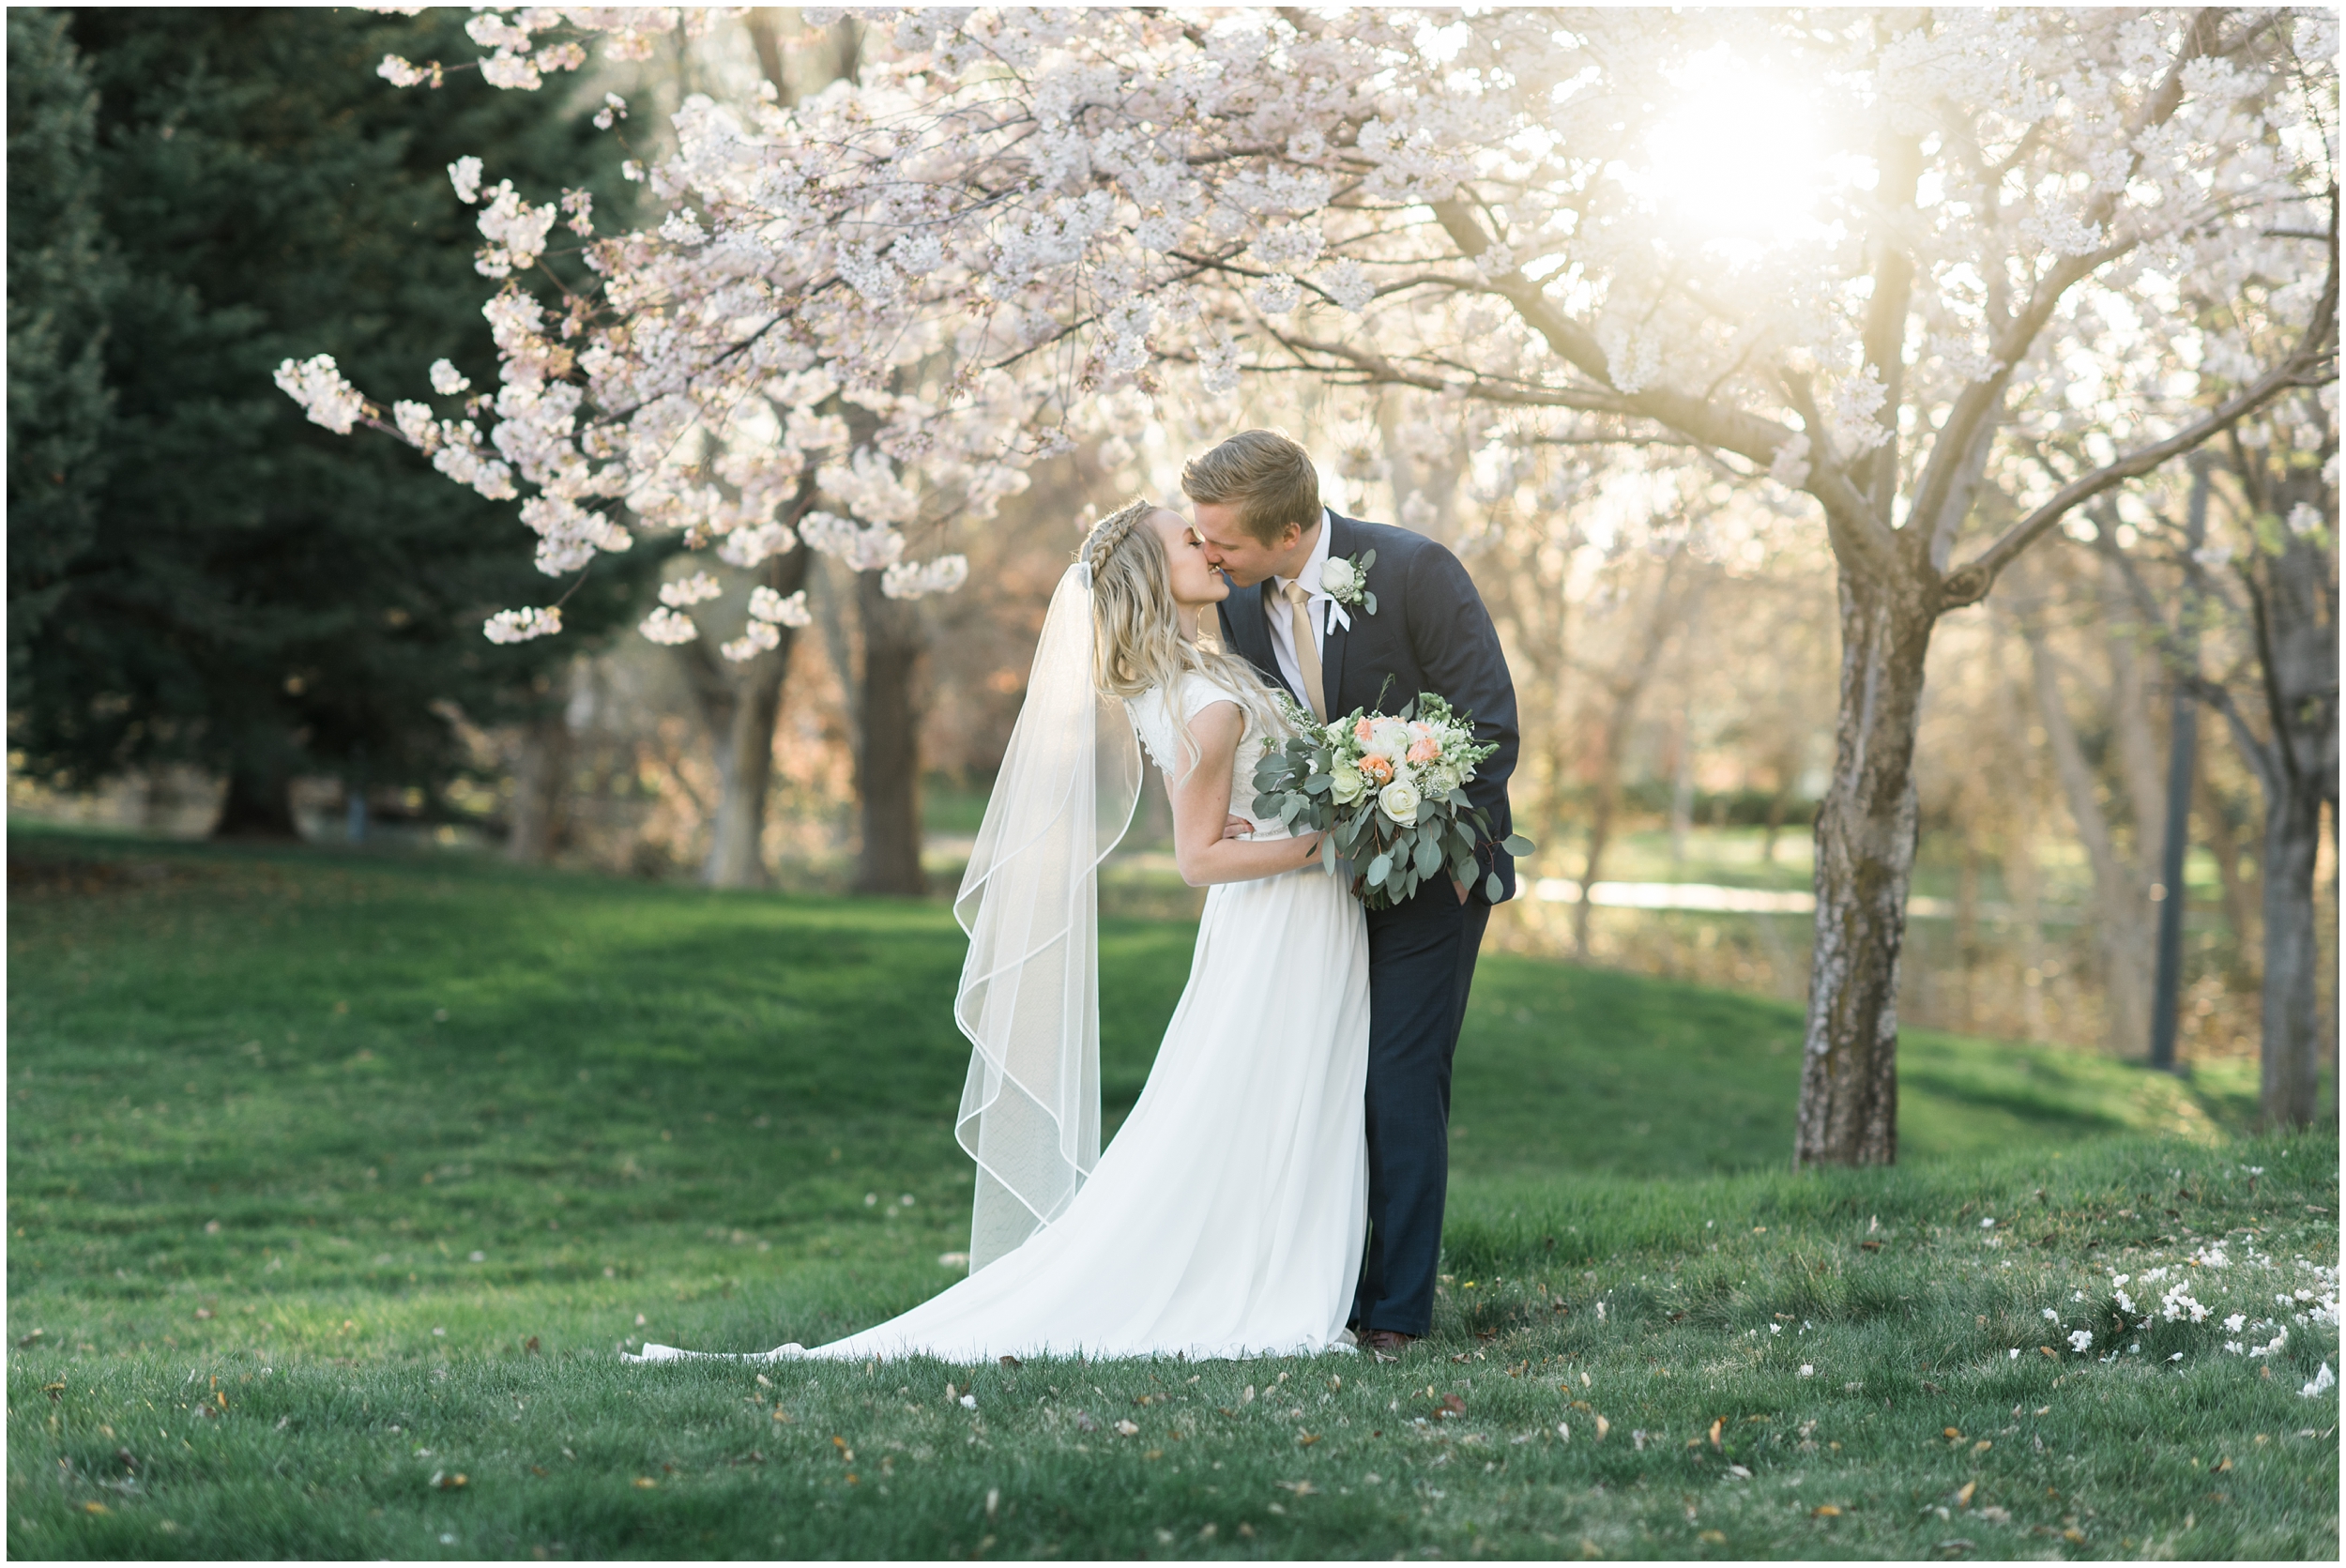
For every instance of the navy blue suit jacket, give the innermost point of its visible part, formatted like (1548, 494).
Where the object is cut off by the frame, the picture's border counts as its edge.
(1430, 633)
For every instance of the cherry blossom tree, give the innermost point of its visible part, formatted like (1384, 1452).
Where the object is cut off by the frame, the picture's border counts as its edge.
(1875, 258)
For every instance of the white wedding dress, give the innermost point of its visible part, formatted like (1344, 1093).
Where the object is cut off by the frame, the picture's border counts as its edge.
(1227, 1216)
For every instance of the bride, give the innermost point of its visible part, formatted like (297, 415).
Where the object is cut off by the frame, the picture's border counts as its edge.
(1227, 1216)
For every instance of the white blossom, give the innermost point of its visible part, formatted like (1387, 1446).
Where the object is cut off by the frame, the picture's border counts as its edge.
(685, 592)
(324, 393)
(916, 579)
(756, 637)
(447, 380)
(860, 549)
(746, 547)
(520, 626)
(765, 604)
(464, 174)
(664, 625)
(399, 73)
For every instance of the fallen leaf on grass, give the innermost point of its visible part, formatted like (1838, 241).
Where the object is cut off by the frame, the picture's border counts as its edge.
(1718, 1424)
(1870, 1246)
(530, 1345)
(1301, 1488)
(1963, 1497)
(1602, 1426)
(1824, 1510)
(646, 1483)
(1451, 1405)
(1128, 1429)
(1305, 1439)
(96, 1508)
(1012, 1362)
(1739, 1473)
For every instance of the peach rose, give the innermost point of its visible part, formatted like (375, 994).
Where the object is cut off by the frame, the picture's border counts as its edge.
(1425, 749)
(1364, 730)
(1377, 767)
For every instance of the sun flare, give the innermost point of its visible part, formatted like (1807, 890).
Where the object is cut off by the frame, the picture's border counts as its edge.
(1741, 155)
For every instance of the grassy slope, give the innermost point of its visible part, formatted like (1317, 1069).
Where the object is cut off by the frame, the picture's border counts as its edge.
(657, 1113)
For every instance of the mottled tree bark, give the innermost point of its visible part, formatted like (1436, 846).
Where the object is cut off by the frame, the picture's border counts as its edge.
(1848, 1089)
(2290, 1082)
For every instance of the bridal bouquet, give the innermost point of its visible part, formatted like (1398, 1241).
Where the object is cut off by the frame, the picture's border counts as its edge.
(1390, 792)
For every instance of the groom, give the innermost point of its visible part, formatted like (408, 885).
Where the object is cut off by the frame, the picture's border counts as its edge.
(1257, 499)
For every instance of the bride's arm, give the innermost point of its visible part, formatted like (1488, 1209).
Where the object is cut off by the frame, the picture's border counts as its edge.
(1201, 807)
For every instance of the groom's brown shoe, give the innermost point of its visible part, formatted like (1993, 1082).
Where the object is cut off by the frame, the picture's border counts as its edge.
(1385, 1343)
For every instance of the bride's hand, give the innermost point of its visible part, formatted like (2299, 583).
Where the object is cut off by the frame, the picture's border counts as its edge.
(1238, 827)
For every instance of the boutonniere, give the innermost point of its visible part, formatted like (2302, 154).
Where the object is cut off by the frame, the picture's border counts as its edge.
(1345, 579)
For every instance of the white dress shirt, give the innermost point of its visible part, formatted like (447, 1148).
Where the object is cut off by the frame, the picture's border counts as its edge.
(1281, 614)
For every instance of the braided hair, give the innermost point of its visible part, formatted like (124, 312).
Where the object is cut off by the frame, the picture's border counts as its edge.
(1138, 642)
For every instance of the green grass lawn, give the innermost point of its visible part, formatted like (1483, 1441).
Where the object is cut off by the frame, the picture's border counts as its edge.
(336, 1179)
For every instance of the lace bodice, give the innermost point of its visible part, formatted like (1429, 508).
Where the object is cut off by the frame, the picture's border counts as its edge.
(1162, 735)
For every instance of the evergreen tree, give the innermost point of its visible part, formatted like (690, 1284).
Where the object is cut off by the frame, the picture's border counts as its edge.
(255, 595)
(61, 272)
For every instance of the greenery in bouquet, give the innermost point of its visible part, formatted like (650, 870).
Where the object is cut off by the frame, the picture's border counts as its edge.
(1388, 790)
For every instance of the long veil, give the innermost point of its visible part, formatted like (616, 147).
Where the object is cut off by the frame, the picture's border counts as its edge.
(1029, 999)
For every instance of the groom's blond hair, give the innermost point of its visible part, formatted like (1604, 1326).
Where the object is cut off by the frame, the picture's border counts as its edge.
(1267, 476)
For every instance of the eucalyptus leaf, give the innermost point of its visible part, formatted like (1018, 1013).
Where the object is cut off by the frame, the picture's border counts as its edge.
(1377, 868)
(1428, 857)
(1493, 888)
(1368, 602)
(1517, 844)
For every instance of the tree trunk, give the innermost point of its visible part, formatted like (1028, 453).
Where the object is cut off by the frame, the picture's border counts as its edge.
(887, 756)
(740, 706)
(1848, 1089)
(2289, 1092)
(2120, 896)
(541, 783)
(259, 804)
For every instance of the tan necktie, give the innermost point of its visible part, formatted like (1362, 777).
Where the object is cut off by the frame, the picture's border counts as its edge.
(1306, 647)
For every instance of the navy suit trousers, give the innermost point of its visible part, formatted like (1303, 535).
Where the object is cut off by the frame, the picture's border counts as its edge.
(1421, 963)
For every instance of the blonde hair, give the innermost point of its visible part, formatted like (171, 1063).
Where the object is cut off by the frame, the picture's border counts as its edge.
(1267, 476)
(1137, 631)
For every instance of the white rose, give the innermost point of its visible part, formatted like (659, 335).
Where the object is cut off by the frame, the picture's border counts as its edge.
(1389, 738)
(1338, 577)
(1442, 780)
(1401, 800)
(1349, 786)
